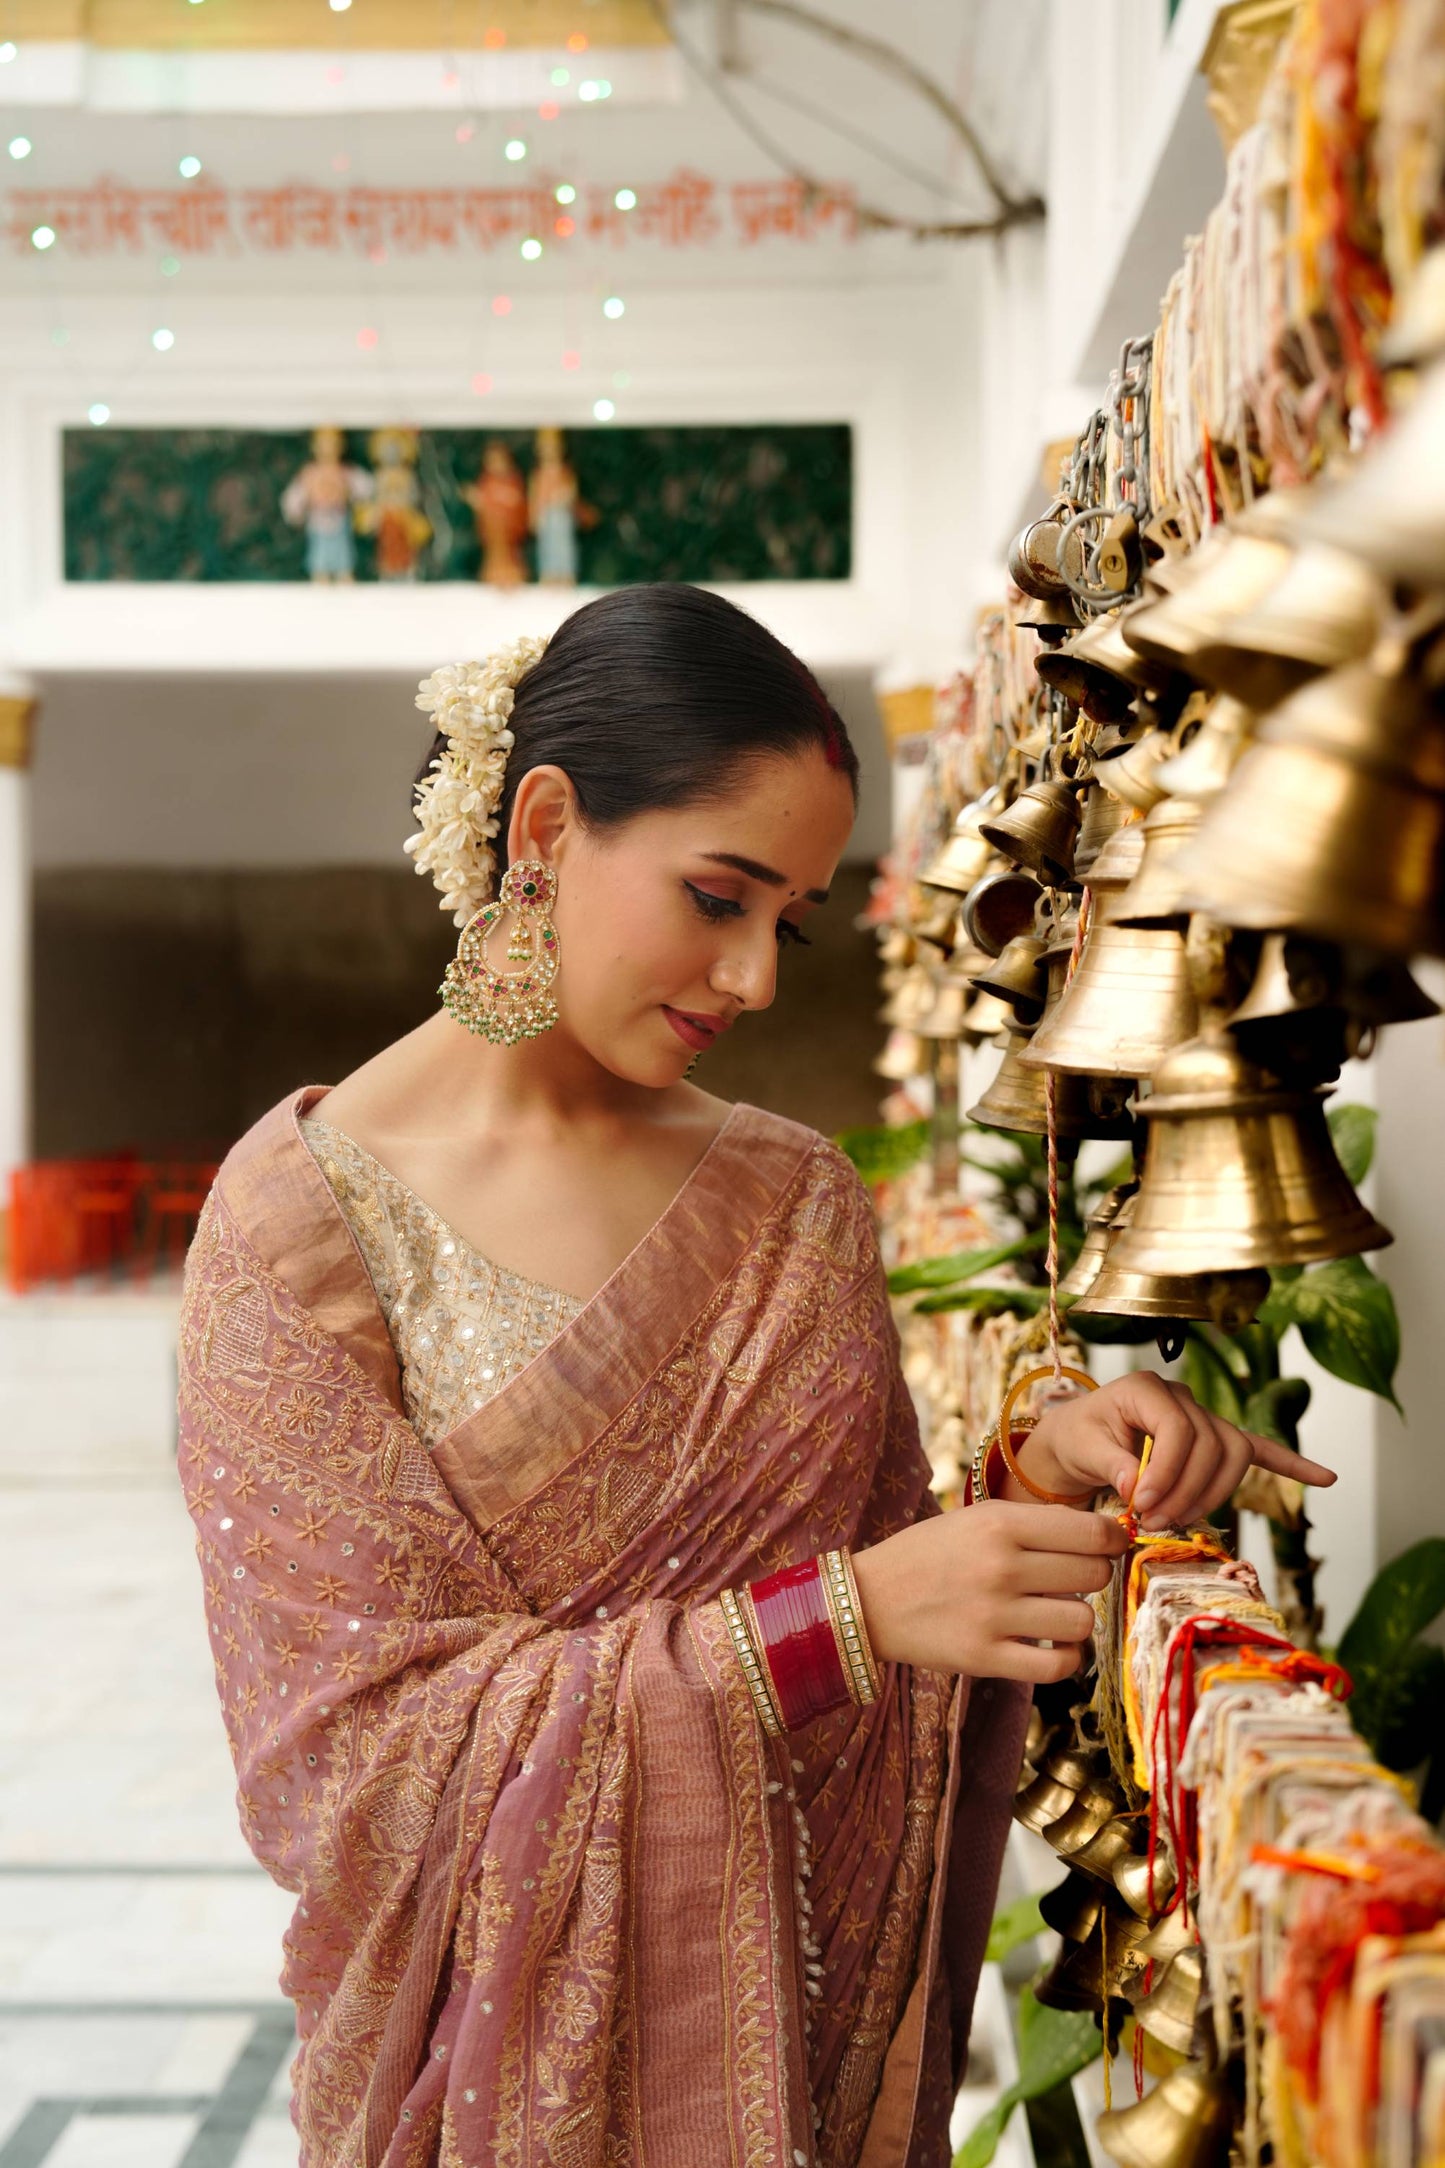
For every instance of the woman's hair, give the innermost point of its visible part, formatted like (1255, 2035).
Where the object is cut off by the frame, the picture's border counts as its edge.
(660, 696)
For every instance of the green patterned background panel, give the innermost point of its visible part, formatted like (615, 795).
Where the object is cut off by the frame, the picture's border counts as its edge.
(714, 504)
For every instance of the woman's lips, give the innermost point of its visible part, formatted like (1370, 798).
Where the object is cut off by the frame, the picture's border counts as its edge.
(694, 1031)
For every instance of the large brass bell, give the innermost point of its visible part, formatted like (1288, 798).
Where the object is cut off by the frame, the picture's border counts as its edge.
(1132, 774)
(1239, 1173)
(1103, 816)
(1099, 671)
(999, 908)
(1226, 1299)
(1334, 819)
(1128, 1003)
(1326, 610)
(1086, 1267)
(1390, 508)
(1227, 578)
(1170, 2010)
(1072, 1908)
(1039, 830)
(1017, 977)
(1381, 989)
(1291, 1020)
(1103, 1853)
(965, 856)
(1184, 2122)
(1155, 896)
(1209, 756)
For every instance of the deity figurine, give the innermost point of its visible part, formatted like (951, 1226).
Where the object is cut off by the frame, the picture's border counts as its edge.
(320, 499)
(553, 506)
(394, 515)
(498, 499)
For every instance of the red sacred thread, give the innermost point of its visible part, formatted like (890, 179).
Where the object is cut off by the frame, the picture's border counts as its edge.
(1051, 1118)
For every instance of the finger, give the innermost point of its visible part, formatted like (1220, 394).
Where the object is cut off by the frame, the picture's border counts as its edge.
(1269, 1453)
(1047, 1573)
(1052, 1618)
(1235, 1454)
(1175, 1439)
(1021, 1660)
(1065, 1529)
(1179, 1505)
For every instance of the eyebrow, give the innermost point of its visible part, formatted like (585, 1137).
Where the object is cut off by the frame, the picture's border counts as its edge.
(766, 874)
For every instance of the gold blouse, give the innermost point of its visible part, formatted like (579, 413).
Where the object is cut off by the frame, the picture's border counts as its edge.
(461, 1326)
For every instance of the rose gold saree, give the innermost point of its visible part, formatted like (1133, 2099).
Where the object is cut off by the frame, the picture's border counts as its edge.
(552, 1878)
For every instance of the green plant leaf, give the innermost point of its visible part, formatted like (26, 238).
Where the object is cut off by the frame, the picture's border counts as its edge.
(1100, 1329)
(1353, 1130)
(1405, 1597)
(1404, 1717)
(1277, 1410)
(987, 1301)
(1209, 1377)
(883, 1152)
(1053, 2045)
(1016, 1923)
(1346, 1317)
(962, 1265)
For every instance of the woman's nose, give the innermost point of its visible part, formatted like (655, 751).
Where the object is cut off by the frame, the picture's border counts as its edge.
(748, 974)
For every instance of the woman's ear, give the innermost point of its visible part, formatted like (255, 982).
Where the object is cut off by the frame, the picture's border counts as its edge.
(544, 814)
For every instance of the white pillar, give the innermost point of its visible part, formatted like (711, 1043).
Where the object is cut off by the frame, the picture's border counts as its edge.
(17, 708)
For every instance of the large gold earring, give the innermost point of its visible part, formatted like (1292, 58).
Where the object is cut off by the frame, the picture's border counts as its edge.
(505, 1006)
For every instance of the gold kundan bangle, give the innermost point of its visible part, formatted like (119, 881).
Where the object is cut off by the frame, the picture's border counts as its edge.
(841, 1590)
(754, 1670)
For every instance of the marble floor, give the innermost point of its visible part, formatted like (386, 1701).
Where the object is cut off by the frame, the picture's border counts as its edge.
(141, 2025)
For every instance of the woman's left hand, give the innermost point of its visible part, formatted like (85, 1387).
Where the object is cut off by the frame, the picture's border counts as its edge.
(1197, 1460)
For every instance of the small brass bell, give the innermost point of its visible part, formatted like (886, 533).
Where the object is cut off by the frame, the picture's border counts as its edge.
(913, 998)
(1227, 578)
(1132, 775)
(905, 1055)
(1208, 759)
(964, 857)
(1173, 1933)
(1127, 1004)
(1045, 1800)
(1017, 977)
(1103, 1853)
(1082, 1820)
(1119, 860)
(985, 1018)
(1101, 1968)
(1037, 1735)
(932, 914)
(943, 1018)
(1092, 1251)
(1185, 2122)
(999, 908)
(1390, 507)
(1170, 2010)
(1155, 896)
(1073, 1907)
(1226, 1299)
(1103, 816)
(1239, 1173)
(1039, 831)
(1099, 671)
(1327, 609)
(1074, 1765)
(1291, 1020)
(1133, 1882)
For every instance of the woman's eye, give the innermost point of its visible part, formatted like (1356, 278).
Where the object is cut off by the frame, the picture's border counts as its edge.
(711, 906)
(790, 936)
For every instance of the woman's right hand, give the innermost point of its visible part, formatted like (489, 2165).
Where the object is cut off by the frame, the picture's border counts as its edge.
(974, 1590)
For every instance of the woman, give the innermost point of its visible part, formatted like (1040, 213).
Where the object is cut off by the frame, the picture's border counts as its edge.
(523, 1384)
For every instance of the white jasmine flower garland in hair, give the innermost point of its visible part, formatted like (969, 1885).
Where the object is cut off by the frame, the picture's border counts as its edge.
(456, 803)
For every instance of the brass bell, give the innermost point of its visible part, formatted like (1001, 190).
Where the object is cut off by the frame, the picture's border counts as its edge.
(1390, 508)
(943, 1018)
(1381, 989)
(1227, 578)
(1127, 1004)
(1132, 775)
(1083, 1106)
(931, 915)
(905, 1055)
(1099, 671)
(1073, 1907)
(985, 1018)
(1186, 2121)
(1082, 1820)
(1170, 2010)
(1291, 1020)
(999, 908)
(1119, 860)
(1174, 1932)
(912, 999)
(1239, 1173)
(1103, 1853)
(1133, 1882)
(1327, 609)
(1037, 1735)
(1226, 1299)
(1074, 1765)
(895, 946)
(1101, 1968)
(1017, 977)
(1103, 816)
(1155, 895)
(965, 856)
(1208, 758)
(1042, 1802)
(1082, 1274)
(1039, 830)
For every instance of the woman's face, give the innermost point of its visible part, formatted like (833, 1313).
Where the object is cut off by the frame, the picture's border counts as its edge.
(670, 926)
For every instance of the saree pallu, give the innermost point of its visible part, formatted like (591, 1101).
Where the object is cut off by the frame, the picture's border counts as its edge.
(553, 1880)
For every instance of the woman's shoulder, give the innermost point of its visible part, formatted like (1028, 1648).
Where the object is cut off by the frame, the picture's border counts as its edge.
(822, 1169)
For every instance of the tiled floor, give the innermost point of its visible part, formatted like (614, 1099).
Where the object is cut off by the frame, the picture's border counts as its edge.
(140, 2021)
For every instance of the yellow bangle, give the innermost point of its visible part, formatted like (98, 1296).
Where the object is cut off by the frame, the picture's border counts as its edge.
(1005, 1441)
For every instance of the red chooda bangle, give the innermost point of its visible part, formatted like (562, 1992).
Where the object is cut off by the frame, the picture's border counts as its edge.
(799, 1645)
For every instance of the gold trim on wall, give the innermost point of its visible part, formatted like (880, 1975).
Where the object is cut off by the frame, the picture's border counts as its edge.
(366, 26)
(17, 720)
